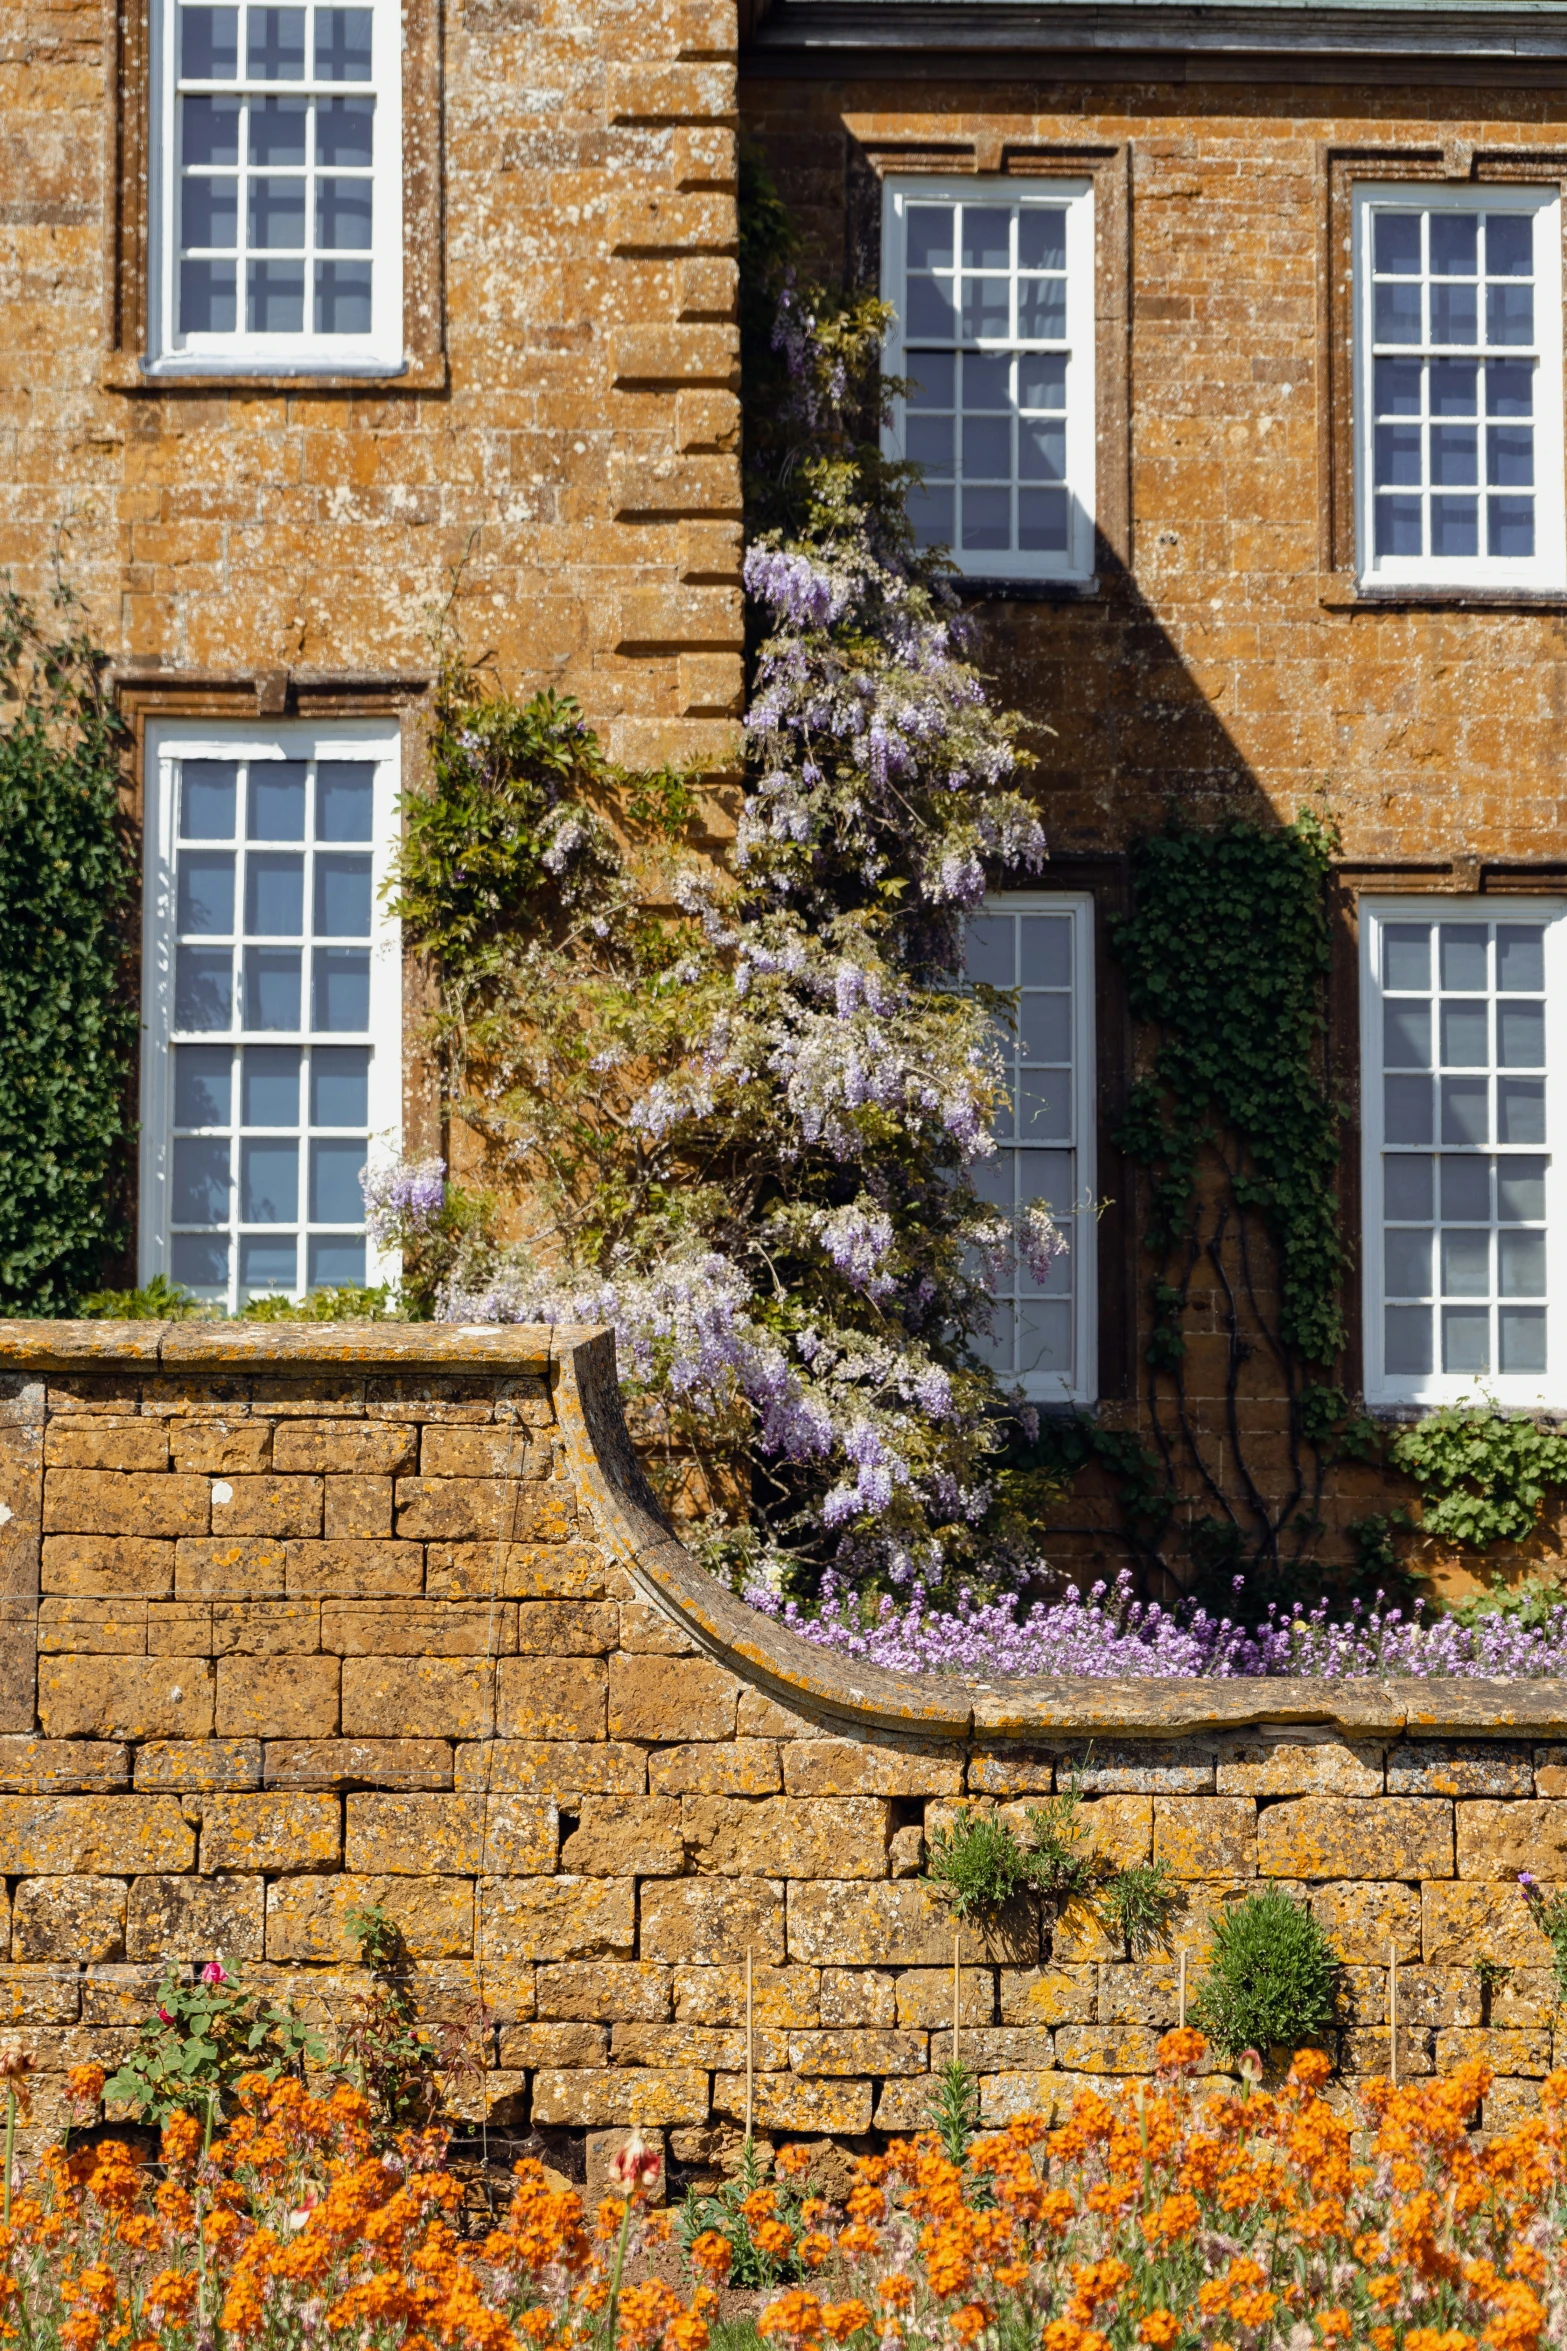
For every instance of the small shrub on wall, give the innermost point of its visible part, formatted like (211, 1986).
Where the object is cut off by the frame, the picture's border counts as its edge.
(67, 1014)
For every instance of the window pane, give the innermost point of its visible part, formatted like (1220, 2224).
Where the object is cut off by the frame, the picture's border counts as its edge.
(1050, 1176)
(1455, 244)
(1454, 386)
(930, 307)
(1465, 1038)
(345, 131)
(1455, 314)
(335, 1197)
(206, 891)
(1466, 1190)
(200, 1262)
(1406, 1036)
(1044, 1338)
(275, 44)
(1509, 389)
(1466, 1338)
(277, 800)
(1406, 955)
(343, 44)
(269, 1182)
(275, 297)
(1509, 245)
(1466, 1264)
(1520, 1110)
(1041, 237)
(930, 512)
(274, 895)
(1509, 314)
(1406, 1187)
(933, 379)
(203, 1085)
(1520, 1036)
(930, 441)
(203, 988)
(1520, 1190)
(987, 448)
(1396, 243)
(342, 908)
(1522, 1337)
(342, 988)
(209, 44)
(1463, 946)
(278, 130)
(1406, 1109)
(1396, 386)
(987, 236)
(930, 236)
(1455, 455)
(207, 297)
(1044, 521)
(1407, 1263)
(1455, 526)
(340, 1086)
(1407, 1340)
(268, 1261)
(1520, 958)
(1521, 1264)
(1046, 951)
(1044, 1106)
(1046, 1023)
(343, 215)
(987, 309)
(277, 220)
(1042, 452)
(200, 1193)
(1466, 1110)
(336, 1261)
(1399, 527)
(209, 211)
(1509, 455)
(1396, 310)
(1397, 455)
(1041, 310)
(1509, 526)
(269, 1086)
(1041, 381)
(987, 518)
(272, 988)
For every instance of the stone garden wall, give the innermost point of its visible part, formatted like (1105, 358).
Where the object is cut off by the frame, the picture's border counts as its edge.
(299, 1617)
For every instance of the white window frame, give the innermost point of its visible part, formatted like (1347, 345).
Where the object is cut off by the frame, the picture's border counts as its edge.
(1547, 567)
(167, 744)
(1517, 1390)
(380, 352)
(1081, 1225)
(1076, 564)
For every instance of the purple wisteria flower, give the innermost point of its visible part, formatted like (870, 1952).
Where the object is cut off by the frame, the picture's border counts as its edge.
(402, 1199)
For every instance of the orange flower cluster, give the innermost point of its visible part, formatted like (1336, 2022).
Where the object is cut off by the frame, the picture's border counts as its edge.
(1185, 2214)
(294, 2225)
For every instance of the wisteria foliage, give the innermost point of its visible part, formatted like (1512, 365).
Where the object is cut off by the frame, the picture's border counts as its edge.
(741, 1129)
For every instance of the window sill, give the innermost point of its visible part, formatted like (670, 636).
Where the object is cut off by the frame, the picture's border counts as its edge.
(1001, 591)
(123, 371)
(1341, 592)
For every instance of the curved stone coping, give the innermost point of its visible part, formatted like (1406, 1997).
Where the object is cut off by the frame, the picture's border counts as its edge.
(853, 1697)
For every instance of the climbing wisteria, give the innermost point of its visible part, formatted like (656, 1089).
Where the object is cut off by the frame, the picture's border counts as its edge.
(743, 1129)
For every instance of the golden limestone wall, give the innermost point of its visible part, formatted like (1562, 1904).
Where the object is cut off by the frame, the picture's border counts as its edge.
(297, 1618)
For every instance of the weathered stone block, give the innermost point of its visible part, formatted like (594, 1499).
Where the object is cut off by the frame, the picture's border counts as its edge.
(125, 1697)
(1298, 1767)
(859, 1996)
(49, 1767)
(783, 1996)
(924, 1997)
(1367, 2049)
(713, 2047)
(863, 2049)
(124, 1502)
(452, 1835)
(794, 2102)
(93, 1836)
(567, 1628)
(228, 1567)
(618, 2094)
(197, 1764)
(711, 1920)
(1001, 2048)
(102, 1628)
(69, 1918)
(1464, 1920)
(897, 1923)
(40, 1994)
(515, 1571)
(1141, 1992)
(483, 1453)
(364, 1448)
(259, 1697)
(1460, 1767)
(567, 1769)
(478, 1510)
(1352, 1837)
(359, 1569)
(182, 1628)
(1004, 2097)
(1114, 2048)
(556, 1918)
(1527, 1996)
(221, 1448)
(671, 1699)
(105, 1441)
(627, 1836)
(1427, 1996)
(646, 1631)
(307, 1917)
(530, 2045)
(118, 1567)
(384, 1764)
(734, 1767)
(1361, 1920)
(903, 2104)
(426, 1697)
(1049, 1995)
(265, 1628)
(1206, 1836)
(266, 1505)
(867, 1767)
(196, 1918)
(1496, 1841)
(761, 1717)
(417, 1628)
(604, 1991)
(832, 1836)
(272, 1831)
(1507, 2104)
(552, 1698)
(357, 1509)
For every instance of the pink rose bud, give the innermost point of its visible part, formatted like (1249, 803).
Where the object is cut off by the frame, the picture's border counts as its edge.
(634, 2166)
(213, 1974)
(164, 2016)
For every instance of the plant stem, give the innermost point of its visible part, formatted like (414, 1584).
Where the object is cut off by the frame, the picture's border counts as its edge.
(10, 2144)
(612, 2309)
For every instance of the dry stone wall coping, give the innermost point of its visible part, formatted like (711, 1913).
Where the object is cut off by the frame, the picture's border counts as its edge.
(295, 1618)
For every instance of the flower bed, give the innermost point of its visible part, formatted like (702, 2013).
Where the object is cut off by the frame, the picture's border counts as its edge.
(1109, 1633)
(1184, 2214)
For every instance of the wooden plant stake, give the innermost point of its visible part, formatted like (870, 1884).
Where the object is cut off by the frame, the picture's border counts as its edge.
(750, 2046)
(957, 1939)
(1392, 2010)
(1182, 2010)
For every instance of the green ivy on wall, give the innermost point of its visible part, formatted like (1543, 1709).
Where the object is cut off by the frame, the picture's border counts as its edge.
(68, 1017)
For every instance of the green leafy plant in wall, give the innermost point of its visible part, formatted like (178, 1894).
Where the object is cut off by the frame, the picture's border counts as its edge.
(1272, 1982)
(982, 1863)
(68, 1018)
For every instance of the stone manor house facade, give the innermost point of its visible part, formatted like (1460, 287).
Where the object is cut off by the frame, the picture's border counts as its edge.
(1236, 343)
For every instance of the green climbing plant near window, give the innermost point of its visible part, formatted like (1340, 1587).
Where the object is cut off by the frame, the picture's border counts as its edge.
(1226, 955)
